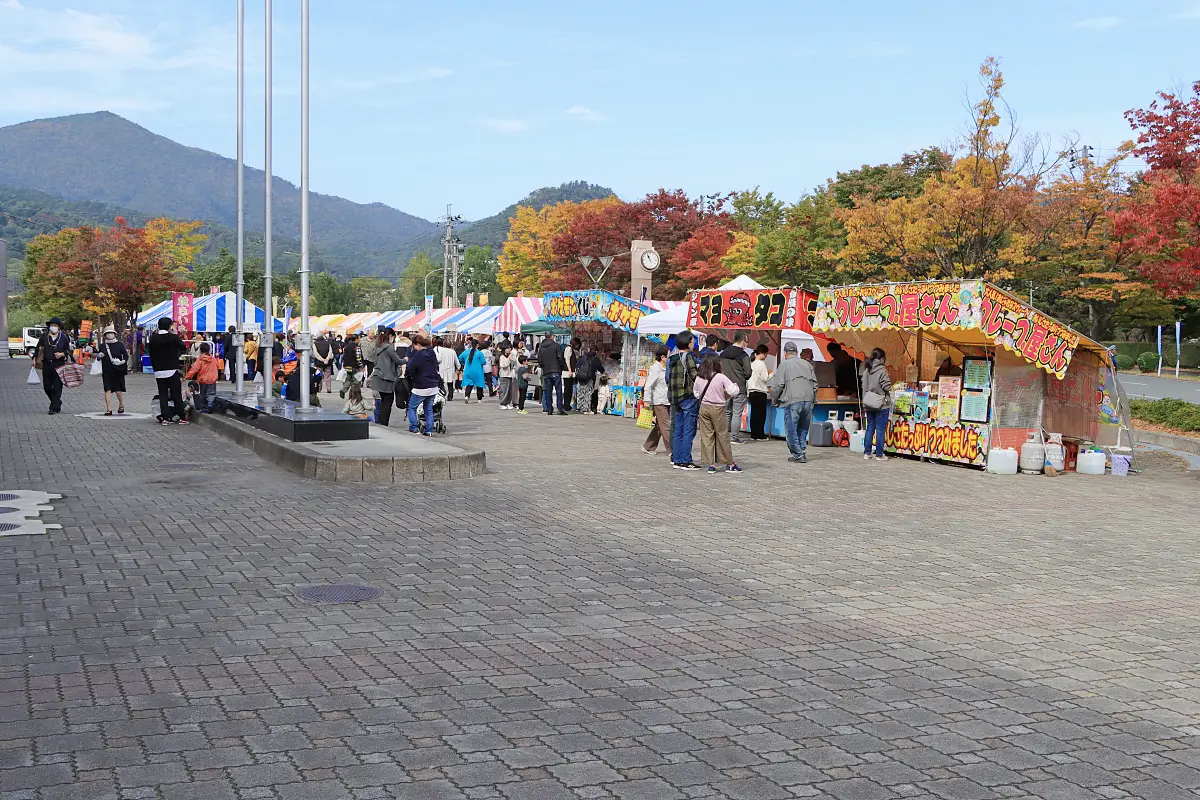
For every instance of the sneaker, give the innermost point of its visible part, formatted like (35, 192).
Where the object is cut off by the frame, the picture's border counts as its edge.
(881, 458)
(712, 470)
(162, 421)
(794, 459)
(182, 422)
(733, 469)
(737, 440)
(868, 457)
(562, 413)
(648, 452)
(522, 411)
(690, 467)
(803, 459)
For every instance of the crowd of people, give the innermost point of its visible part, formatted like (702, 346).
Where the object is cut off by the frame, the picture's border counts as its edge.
(691, 392)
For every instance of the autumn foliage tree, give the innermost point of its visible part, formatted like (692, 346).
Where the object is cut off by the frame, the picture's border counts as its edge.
(1163, 221)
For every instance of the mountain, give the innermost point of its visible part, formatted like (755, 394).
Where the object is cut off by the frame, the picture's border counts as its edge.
(493, 230)
(104, 158)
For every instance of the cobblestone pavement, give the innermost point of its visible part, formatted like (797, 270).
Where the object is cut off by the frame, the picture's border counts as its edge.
(585, 623)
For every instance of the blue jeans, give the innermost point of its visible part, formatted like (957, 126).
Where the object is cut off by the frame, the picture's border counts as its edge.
(685, 414)
(797, 418)
(877, 423)
(415, 400)
(552, 382)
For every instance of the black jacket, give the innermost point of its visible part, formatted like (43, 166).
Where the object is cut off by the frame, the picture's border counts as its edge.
(165, 348)
(49, 345)
(735, 364)
(550, 357)
(423, 370)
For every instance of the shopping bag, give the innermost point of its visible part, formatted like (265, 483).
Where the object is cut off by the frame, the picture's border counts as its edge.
(340, 376)
(96, 368)
(258, 378)
(645, 417)
(34, 379)
(71, 375)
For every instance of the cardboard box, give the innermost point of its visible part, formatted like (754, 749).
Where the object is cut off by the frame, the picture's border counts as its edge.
(826, 394)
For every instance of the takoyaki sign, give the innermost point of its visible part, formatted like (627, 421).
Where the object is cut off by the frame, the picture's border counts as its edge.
(948, 305)
(775, 309)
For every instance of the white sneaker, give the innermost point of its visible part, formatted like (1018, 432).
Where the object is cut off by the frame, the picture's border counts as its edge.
(868, 457)
(881, 458)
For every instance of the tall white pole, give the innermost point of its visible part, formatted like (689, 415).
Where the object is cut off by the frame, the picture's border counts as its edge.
(268, 299)
(239, 384)
(306, 352)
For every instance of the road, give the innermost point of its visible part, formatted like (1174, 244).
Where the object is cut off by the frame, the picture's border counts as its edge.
(1156, 388)
(584, 623)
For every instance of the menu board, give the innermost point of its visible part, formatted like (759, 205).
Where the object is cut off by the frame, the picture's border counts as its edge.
(977, 374)
(949, 388)
(974, 406)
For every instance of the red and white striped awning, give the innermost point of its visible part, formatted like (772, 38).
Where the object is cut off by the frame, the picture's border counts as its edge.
(517, 311)
(665, 305)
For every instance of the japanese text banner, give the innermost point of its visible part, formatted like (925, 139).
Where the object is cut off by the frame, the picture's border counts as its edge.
(775, 309)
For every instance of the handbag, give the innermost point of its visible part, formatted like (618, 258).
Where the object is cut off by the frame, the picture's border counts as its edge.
(874, 400)
(96, 368)
(71, 375)
(645, 416)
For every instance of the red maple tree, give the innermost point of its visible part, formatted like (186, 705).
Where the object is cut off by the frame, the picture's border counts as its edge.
(698, 260)
(1162, 224)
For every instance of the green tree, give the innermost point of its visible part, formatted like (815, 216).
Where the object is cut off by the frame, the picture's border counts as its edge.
(371, 294)
(328, 295)
(757, 213)
(804, 250)
(478, 271)
(412, 282)
(890, 181)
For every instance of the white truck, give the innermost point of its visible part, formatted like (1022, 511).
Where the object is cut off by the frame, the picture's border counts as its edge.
(26, 343)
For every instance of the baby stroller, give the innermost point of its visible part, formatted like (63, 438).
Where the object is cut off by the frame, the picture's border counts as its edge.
(439, 403)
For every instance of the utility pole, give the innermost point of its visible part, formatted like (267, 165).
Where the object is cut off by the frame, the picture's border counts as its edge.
(450, 257)
(268, 304)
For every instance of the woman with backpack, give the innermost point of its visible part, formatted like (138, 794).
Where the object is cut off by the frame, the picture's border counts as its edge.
(385, 375)
(876, 386)
(587, 374)
(571, 354)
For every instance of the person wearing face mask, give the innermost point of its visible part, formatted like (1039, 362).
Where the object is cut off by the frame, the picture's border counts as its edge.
(114, 363)
(166, 348)
(53, 350)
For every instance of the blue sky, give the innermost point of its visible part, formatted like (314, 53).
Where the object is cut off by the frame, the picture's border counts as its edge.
(476, 103)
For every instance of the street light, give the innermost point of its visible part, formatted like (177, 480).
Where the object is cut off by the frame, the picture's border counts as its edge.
(605, 261)
(434, 272)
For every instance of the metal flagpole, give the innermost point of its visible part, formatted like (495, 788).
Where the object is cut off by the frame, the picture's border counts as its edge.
(304, 339)
(268, 300)
(239, 386)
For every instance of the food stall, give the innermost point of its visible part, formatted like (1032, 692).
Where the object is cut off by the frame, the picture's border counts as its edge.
(772, 317)
(1010, 372)
(609, 322)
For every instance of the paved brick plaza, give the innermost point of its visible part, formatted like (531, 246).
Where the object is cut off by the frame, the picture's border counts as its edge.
(585, 623)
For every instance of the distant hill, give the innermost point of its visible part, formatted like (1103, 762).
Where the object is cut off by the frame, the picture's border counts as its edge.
(493, 230)
(104, 158)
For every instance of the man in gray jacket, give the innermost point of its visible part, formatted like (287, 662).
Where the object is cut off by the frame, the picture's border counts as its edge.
(794, 388)
(735, 364)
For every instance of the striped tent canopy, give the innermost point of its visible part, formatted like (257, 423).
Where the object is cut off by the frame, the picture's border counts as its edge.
(150, 317)
(439, 315)
(396, 319)
(666, 305)
(467, 320)
(316, 324)
(472, 320)
(517, 311)
(216, 312)
(353, 323)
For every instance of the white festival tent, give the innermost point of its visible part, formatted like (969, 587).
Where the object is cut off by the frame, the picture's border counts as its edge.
(674, 318)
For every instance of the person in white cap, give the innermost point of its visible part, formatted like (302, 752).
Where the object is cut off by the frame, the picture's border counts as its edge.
(114, 363)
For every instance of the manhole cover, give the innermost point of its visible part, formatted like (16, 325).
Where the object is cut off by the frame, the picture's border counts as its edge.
(339, 593)
(9, 496)
(7, 509)
(10, 526)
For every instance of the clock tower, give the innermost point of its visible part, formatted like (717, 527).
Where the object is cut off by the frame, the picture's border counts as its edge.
(645, 260)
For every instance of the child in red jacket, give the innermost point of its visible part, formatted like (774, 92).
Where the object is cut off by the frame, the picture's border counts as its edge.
(204, 372)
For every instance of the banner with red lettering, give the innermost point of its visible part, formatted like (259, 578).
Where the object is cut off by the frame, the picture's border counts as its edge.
(961, 442)
(595, 305)
(773, 309)
(949, 305)
(182, 310)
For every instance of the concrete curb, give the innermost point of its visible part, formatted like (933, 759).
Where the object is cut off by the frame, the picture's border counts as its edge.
(380, 471)
(1184, 443)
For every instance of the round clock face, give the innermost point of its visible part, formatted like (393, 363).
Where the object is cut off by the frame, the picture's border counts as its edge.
(650, 260)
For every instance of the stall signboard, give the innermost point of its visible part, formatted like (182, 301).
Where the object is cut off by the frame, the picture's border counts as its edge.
(950, 305)
(949, 389)
(182, 310)
(594, 305)
(1040, 340)
(958, 441)
(748, 309)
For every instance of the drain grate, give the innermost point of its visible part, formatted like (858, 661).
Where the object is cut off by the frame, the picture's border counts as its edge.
(339, 593)
(8, 509)
(8, 526)
(9, 496)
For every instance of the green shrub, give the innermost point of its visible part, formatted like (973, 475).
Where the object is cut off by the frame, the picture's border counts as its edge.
(1124, 361)
(1174, 413)
(1189, 353)
(1148, 362)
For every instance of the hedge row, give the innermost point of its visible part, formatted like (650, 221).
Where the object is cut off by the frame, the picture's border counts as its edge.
(1189, 353)
(1178, 414)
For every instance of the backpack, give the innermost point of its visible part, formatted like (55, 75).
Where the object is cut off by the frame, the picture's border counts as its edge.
(584, 372)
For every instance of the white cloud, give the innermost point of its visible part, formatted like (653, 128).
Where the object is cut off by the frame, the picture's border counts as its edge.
(51, 101)
(507, 125)
(1098, 23)
(586, 114)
